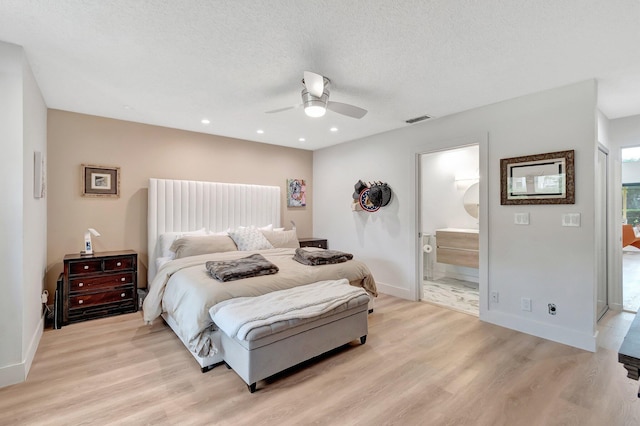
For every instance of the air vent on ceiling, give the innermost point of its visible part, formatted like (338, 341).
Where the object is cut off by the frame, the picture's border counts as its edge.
(415, 120)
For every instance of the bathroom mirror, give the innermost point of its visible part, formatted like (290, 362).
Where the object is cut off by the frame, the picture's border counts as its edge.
(471, 200)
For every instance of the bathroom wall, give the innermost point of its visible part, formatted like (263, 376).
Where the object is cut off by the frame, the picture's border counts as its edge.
(445, 177)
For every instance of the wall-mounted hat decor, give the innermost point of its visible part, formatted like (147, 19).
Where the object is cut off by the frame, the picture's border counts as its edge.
(371, 196)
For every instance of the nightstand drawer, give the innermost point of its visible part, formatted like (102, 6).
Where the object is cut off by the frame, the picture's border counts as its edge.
(314, 242)
(118, 264)
(85, 267)
(100, 281)
(82, 301)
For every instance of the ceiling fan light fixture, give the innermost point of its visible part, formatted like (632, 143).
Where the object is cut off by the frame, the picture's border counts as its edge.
(315, 111)
(315, 99)
(315, 106)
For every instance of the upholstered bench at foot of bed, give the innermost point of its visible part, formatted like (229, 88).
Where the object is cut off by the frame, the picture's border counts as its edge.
(273, 348)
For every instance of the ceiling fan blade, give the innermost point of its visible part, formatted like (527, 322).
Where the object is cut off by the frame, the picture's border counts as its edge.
(314, 83)
(283, 109)
(346, 109)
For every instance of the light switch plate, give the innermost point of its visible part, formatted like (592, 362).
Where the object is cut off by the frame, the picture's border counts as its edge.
(571, 219)
(521, 218)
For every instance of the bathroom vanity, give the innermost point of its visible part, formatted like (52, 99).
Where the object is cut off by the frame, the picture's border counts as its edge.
(458, 247)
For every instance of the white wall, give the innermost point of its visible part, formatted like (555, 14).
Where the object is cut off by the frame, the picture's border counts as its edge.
(23, 231)
(625, 132)
(543, 261)
(631, 172)
(34, 127)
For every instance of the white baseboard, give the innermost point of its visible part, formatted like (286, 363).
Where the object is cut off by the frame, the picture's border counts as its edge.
(551, 332)
(391, 290)
(17, 373)
(33, 347)
(616, 306)
(11, 375)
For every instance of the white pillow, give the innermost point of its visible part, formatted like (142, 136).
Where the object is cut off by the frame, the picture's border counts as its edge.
(250, 238)
(167, 239)
(193, 245)
(277, 229)
(282, 239)
(268, 227)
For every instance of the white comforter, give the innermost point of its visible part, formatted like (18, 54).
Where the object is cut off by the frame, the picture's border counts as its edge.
(237, 317)
(183, 289)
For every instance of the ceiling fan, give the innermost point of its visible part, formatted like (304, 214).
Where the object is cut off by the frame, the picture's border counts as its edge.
(315, 99)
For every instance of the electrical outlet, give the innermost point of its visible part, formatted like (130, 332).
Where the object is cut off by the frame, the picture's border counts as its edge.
(521, 218)
(552, 309)
(495, 296)
(525, 304)
(571, 219)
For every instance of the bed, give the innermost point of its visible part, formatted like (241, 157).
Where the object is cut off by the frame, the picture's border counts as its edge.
(199, 218)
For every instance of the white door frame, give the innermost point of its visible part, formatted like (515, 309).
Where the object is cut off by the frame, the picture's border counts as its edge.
(482, 140)
(603, 226)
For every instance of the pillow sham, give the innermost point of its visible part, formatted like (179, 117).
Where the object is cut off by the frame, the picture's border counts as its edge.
(250, 238)
(282, 239)
(167, 239)
(195, 245)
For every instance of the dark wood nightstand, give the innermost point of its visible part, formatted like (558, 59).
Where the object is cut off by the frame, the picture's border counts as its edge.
(99, 285)
(313, 242)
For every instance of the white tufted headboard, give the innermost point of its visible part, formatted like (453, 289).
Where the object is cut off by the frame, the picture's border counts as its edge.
(186, 205)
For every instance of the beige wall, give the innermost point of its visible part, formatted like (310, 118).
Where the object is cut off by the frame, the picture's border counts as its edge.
(143, 151)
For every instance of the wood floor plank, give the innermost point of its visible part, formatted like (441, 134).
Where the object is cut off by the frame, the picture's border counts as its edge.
(422, 364)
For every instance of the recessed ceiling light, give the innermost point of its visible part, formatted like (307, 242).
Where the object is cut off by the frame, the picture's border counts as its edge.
(301, 139)
(260, 131)
(127, 107)
(205, 121)
(334, 129)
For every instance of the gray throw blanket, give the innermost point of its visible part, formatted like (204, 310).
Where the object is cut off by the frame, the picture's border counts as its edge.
(324, 257)
(246, 267)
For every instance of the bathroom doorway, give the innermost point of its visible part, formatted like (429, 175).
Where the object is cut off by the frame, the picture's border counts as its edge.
(449, 228)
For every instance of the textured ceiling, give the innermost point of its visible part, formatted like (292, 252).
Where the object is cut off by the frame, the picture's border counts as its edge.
(173, 63)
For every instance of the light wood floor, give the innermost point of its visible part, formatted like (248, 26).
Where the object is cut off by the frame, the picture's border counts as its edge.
(422, 364)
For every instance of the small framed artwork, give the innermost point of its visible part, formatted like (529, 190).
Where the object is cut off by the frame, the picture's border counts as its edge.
(39, 175)
(296, 189)
(100, 181)
(538, 179)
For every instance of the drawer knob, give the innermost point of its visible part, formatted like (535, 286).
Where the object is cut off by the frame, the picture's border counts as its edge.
(119, 264)
(86, 266)
(122, 295)
(80, 284)
(80, 302)
(123, 279)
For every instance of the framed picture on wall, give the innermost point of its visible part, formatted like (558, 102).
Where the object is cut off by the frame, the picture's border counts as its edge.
(538, 179)
(100, 181)
(296, 193)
